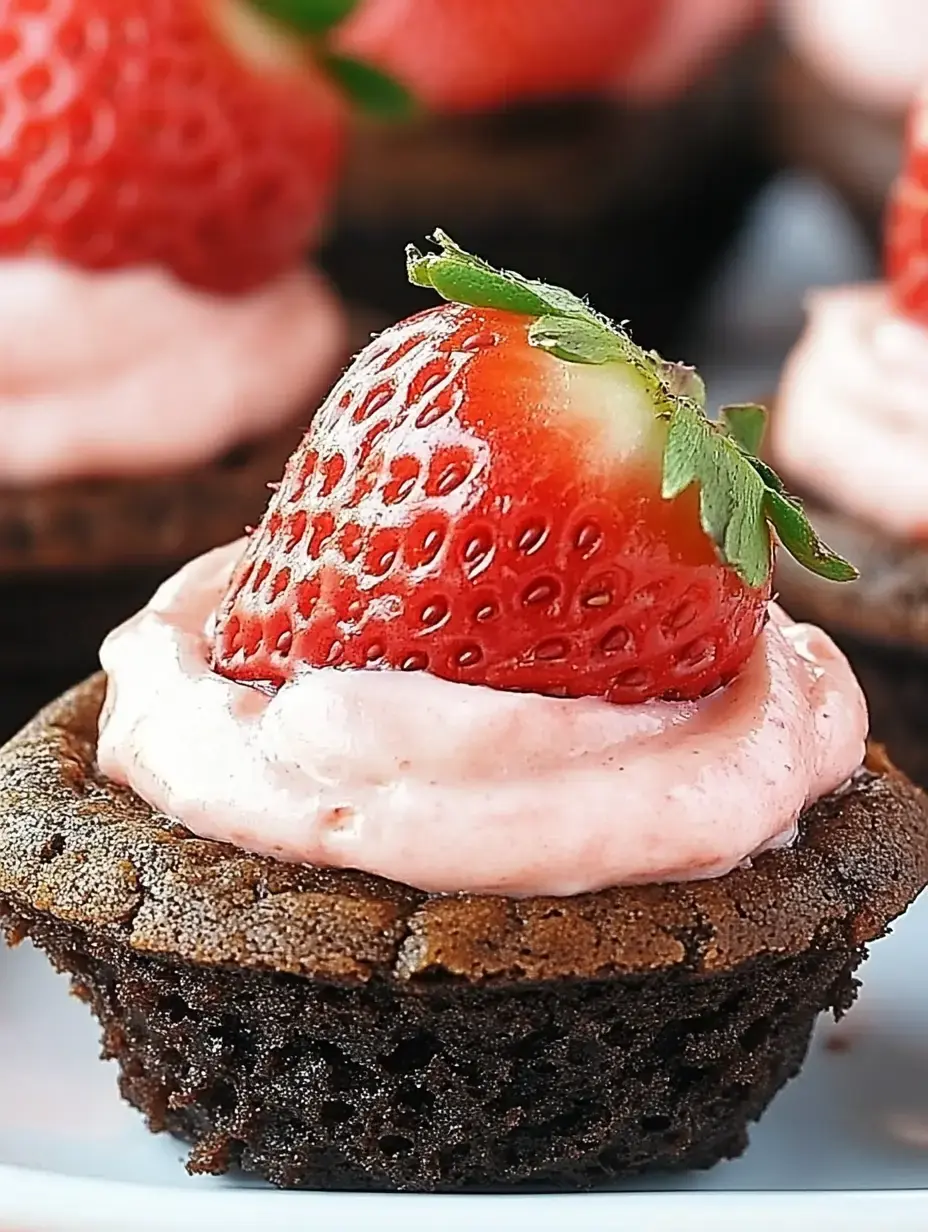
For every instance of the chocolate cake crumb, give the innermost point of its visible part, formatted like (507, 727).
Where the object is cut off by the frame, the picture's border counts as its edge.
(450, 1085)
(329, 1029)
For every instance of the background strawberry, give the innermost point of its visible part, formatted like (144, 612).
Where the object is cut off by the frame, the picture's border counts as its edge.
(692, 35)
(472, 54)
(513, 494)
(194, 134)
(907, 221)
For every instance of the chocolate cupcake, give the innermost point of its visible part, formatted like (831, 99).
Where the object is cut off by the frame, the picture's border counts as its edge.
(850, 431)
(334, 1030)
(479, 822)
(840, 87)
(163, 346)
(617, 154)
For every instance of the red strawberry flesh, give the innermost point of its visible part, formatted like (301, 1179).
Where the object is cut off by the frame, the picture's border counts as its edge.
(907, 221)
(468, 504)
(189, 134)
(462, 55)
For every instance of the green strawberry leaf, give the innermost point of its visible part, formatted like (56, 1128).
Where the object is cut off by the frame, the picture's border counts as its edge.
(308, 16)
(462, 278)
(371, 90)
(795, 532)
(746, 425)
(731, 492)
(742, 501)
(575, 339)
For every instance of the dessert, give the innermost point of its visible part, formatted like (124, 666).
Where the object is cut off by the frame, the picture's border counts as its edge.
(547, 131)
(478, 821)
(166, 168)
(851, 431)
(841, 90)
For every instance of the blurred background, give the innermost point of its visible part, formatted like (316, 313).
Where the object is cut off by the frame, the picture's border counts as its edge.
(740, 152)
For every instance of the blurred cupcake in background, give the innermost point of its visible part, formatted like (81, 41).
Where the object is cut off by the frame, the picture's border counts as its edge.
(841, 88)
(850, 432)
(611, 146)
(164, 170)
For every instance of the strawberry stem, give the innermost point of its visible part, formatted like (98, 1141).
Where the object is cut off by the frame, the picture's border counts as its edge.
(311, 17)
(372, 91)
(369, 89)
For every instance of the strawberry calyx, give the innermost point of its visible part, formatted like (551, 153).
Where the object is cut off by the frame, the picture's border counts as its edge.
(369, 89)
(311, 17)
(741, 498)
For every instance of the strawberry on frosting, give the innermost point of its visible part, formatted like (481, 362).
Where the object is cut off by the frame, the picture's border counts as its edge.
(907, 221)
(505, 490)
(466, 55)
(504, 626)
(852, 417)
(166, 166)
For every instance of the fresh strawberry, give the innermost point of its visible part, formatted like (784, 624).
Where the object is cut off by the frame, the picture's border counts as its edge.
(193, 134)
(508, 492)
(907, 221)
(460, 55)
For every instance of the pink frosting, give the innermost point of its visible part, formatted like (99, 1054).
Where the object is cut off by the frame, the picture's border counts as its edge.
(452, 787)
(874, 52)
(133, 372)
(691, 35)
(851, 423)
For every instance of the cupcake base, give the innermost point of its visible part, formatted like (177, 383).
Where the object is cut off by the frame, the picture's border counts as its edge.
(563, 1085)
(329, 1029)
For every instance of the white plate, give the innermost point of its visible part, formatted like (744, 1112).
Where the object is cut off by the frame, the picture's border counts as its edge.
(73, 1158)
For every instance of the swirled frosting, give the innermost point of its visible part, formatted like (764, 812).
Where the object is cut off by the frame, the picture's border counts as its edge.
(874, 52)
(851, 424)
(452, 787)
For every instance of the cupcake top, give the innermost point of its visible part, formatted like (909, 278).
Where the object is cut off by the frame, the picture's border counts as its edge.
(873, 52)
(454, 787)
(852, 418)
(167, 168)
(504, 627)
